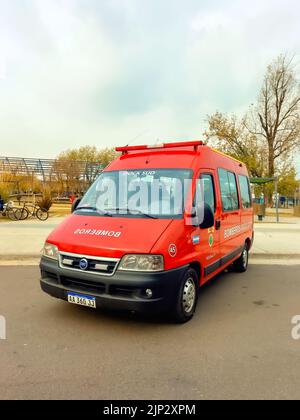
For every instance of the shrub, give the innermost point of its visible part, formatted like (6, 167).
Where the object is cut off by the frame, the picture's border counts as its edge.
(4, 193)
(45, 203)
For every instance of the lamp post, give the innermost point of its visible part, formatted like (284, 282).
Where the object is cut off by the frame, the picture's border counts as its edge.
(276, 198)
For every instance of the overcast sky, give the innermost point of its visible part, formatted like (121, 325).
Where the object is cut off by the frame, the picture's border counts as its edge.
(112, 72)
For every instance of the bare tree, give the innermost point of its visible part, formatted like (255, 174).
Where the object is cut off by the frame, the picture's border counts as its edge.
(277, 115)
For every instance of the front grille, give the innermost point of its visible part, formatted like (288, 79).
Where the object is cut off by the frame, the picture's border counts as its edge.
(83, 285)
(95, 265)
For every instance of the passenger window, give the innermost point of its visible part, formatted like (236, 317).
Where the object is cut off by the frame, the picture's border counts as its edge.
(233, 191)
(229, 192)
(245, 192)
(209, 191)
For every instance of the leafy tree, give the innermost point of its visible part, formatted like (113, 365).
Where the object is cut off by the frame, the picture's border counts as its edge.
(71, 163)
(288, 182)
(106, 156)
(232, 137)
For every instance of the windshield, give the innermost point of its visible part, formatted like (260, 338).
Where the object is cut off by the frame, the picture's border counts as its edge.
(155, 193)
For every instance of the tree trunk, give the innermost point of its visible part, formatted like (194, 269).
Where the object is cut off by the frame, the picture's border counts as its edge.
(271, 165)
(271, 170)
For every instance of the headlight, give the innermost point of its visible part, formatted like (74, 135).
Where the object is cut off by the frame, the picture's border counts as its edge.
(50, 251)
(135, 262)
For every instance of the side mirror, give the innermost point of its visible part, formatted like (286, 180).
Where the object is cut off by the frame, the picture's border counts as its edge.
(208, 218)
(75, 204)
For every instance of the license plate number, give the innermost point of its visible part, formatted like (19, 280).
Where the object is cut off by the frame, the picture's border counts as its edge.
(82, 300)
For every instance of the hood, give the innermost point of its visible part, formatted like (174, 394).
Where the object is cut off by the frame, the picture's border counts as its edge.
(107, 236)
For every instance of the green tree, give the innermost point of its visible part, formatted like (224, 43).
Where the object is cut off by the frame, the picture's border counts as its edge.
(288, 182)
(71, 164)
(89, 154)
(231, 136)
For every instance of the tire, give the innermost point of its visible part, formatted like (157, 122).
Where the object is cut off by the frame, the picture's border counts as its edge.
(21, 214)
(42, 215)
(187, 297)
(241, 264)
(11, 213)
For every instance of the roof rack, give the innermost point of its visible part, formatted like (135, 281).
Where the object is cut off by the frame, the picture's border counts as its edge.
(126, 149)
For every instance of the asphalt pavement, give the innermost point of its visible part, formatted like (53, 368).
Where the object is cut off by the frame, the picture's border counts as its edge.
(238, 345)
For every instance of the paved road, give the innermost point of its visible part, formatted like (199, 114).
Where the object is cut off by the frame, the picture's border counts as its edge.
(238, 345)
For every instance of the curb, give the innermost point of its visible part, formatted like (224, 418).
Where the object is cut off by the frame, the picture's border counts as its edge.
(24, 257)
(270, 256)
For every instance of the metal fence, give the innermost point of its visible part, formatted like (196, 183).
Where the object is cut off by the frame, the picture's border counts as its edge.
(48, 170)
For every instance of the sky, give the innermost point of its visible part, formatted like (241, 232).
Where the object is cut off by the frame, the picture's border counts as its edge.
(116, 72)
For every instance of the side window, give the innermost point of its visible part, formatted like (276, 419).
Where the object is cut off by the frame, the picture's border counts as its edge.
(245, 192)
(209, 190)
(229, 192)
(233, 191)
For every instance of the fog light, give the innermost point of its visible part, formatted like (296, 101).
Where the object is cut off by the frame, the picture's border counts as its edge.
(149, 293)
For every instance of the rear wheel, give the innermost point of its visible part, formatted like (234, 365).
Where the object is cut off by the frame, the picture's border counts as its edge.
(186, 300)
(42, 214)
(241, 264)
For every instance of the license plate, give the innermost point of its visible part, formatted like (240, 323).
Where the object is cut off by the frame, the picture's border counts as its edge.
(82, 300)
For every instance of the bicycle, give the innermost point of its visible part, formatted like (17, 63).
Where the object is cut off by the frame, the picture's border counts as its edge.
(9, 211)
(33, 210)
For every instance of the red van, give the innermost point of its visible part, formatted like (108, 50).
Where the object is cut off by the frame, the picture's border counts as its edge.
(159, 222)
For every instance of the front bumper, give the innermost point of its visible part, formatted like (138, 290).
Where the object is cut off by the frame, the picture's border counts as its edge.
(122, 291)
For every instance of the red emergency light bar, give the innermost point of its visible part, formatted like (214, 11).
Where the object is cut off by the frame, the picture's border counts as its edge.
(125, 149)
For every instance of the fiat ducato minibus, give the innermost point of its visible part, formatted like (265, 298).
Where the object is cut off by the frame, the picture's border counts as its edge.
(157, 224)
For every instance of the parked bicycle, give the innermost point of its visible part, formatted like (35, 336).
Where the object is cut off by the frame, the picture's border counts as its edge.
(32, 210)
(8, 210)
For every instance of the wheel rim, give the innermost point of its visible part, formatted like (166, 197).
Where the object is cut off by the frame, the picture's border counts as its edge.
(42, 214)
(11, 214)
(245, 258)
(17, 214)
(189, 295)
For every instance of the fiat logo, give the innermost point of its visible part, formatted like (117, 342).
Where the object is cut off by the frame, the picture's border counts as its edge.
(172, 250)
(83, 264)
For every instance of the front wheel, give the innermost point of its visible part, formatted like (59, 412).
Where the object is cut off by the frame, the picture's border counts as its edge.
(21, 214)
(241, 264)
(11, 213)
(186, 299)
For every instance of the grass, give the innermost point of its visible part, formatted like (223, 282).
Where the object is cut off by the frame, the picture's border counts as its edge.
(281, 214)
(60, 210)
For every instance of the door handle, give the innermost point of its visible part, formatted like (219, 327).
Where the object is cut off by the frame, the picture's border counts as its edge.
(218, 224)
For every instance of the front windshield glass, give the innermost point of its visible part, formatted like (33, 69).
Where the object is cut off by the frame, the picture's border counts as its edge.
(156, 193)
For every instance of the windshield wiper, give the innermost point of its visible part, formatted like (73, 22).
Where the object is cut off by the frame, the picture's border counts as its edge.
(133, 211)
(103, 213)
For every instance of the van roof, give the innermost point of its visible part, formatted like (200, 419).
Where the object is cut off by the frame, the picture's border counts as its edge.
(226, 155)
(183, 154)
